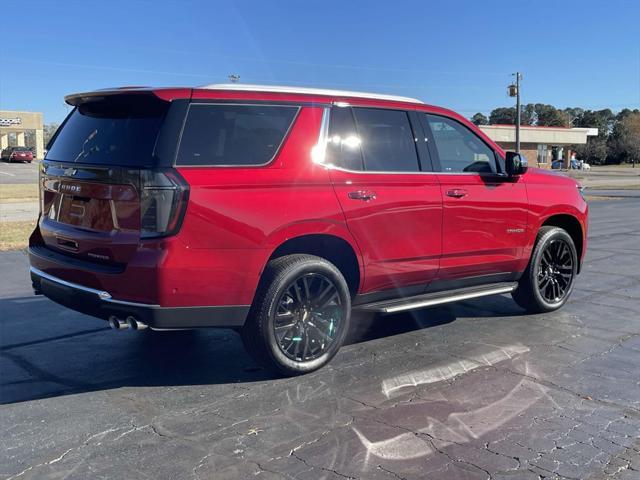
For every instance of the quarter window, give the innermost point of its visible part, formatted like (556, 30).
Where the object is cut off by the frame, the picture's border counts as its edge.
(459, 149)
(233, 134)
(386, 140)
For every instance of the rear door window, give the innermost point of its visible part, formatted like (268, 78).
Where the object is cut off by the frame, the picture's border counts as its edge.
(113, 130)
(387, 140)
(234, 135)
(343, 147)
(459, 149)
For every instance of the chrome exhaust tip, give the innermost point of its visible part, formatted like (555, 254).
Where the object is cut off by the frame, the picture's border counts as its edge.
(116, 324)
(135, 324)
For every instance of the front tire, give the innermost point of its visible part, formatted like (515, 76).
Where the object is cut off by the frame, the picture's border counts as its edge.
(300, 315)
(548, 280)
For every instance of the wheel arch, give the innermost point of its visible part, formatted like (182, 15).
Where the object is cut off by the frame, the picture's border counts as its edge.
(333, 248)
(573, 227)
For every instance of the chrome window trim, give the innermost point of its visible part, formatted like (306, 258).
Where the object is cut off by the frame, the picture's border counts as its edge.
(321, 146)
(240, 104)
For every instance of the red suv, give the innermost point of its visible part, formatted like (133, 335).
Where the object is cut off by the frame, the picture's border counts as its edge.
(17, 154)
(276, 211)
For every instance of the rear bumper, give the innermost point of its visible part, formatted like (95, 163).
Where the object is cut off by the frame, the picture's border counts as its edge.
(101, 304)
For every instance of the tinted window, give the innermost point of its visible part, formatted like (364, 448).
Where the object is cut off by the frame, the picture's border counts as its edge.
(343, 148)
(233, 134)
(387, 140)
(459, 149)
(115, 130)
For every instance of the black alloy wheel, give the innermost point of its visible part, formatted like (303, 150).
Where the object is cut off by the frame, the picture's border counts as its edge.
(548, 281)
(300, 314)
(555, 272)
(308, 317)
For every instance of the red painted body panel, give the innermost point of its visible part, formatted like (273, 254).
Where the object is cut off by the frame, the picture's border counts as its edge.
(244, 214)
(553, 194)
(486, 229)
(399, 232)
(411, 233)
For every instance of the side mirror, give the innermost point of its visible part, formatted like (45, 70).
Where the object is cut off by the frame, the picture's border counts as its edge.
(515, 164)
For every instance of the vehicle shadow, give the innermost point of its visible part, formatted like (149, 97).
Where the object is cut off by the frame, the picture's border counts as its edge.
(51, 351)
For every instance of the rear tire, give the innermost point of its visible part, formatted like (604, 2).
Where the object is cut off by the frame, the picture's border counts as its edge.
(548, 281)
(300, 315)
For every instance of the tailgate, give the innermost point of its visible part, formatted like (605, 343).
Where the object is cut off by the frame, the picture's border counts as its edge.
(90, 212)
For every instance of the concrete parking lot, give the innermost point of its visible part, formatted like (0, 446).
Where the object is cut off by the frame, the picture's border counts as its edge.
(476, 390)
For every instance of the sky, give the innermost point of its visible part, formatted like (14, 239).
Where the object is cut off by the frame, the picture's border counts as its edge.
(455, 53)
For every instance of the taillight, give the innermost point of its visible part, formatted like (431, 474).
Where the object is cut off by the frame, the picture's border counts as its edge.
(163, 201)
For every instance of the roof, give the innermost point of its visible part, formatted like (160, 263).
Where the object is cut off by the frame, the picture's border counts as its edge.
(307, 91)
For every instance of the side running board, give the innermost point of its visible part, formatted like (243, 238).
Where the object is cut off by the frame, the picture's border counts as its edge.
(437, 298)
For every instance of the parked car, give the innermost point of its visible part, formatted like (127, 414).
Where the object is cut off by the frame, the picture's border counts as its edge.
(17, 154)
(277, 211)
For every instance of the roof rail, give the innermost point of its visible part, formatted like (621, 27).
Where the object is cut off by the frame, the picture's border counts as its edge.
(245, 87)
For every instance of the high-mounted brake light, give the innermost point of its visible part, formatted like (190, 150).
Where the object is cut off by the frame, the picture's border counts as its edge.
(163, 200)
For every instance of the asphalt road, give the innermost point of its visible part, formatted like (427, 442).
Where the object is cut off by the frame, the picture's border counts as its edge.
(473, 391)
(19, 172)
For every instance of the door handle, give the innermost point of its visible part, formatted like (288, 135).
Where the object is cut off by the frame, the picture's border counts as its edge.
(364, 195)
(457, 193)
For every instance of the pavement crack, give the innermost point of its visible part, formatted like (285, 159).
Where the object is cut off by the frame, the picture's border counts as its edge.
(48, 462)
(390, 472)
(324, 469)
(581, 395)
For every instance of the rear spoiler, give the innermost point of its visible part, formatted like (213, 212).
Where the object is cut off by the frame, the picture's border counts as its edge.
(167, 94)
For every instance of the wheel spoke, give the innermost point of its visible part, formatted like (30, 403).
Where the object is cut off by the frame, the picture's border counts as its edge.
(319, 298)
(329, 300)
(322, 334)
(296, 350)
(306, 346)
(563, 251)
(543, 286)
(288, 347)
(305, 282)
(296, 288)
(285, 334)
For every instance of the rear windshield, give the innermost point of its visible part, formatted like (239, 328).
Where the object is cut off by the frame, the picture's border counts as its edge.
(115, 130)
(21, 149)
(230, 135)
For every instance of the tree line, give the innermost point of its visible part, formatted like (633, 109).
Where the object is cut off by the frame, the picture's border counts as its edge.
(618, 139)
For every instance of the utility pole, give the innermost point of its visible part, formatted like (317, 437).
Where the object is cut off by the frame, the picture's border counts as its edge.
(514, 91)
